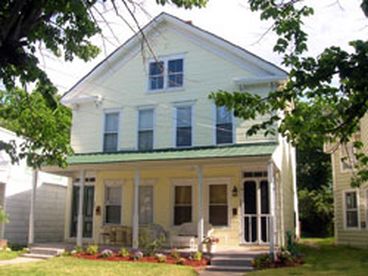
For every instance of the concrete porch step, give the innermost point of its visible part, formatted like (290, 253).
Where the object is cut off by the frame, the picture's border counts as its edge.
(46, 251)
(37, 256)
(219, 268)
(232, 261)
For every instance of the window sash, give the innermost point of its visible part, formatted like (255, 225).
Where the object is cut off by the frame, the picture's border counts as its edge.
(145, 140)
(224, 133)
(351, 210)
(145, 205)
(182, 204)
(218, 205)
(111, 132)
(145, 119)
(113, 196)
(156, 75)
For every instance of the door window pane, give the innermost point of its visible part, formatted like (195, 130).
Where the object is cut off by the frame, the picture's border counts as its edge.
(183, 126)
(224, 126)
(183, 205)
(250, 201)
(145, 129)
(145, 205)
(265, 208)
(218, 209)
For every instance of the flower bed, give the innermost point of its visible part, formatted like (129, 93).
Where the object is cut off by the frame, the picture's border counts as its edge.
(148, 259)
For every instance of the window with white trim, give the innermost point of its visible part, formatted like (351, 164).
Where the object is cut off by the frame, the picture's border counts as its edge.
(224, 125)
(145, 205)
(113, 204)
(182, 204)
(156, 75)
(111, 132)
(218, 205)
(175, 73)
(184, 126)
(145, 129)
(166, 74)
(351, 209)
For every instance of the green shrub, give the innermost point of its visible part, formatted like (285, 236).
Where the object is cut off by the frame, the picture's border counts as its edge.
(151, 248)
(124, 252)
(197, 256)
(92, 249)
(78, 249)
(262, 261)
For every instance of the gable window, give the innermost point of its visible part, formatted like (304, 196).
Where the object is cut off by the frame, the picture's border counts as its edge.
(167, 73)
(184, 126)
(175, 73)
(218, 208)
(351, 209)
(183, 204)
(111, 131)
(145, 204)
(156, 75)
(112, 204)
(224, 126)
(145, 129)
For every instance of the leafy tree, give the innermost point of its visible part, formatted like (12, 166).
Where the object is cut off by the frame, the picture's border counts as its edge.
(314, 177)
(64, 28)
(333, 111)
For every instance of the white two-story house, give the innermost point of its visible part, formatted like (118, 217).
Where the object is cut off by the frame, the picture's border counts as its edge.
(152, 149)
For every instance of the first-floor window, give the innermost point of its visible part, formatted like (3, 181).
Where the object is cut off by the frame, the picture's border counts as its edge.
(145, 205)
(113, 204)
(218, 208)
(183, 204)
(351, 210)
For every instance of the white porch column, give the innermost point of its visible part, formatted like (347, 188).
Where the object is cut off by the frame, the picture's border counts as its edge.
(272, 230)
(82, 177)
(200, 226)
(32, 208)
(137, 180)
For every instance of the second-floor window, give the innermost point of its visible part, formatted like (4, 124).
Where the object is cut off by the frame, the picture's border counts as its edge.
(224, 125)
(184, 126)
(166, 74)
(111, 132)
(145, 129)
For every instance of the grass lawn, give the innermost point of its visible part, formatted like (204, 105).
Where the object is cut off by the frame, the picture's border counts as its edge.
(322, 257)
(74, 266)
(4, 255)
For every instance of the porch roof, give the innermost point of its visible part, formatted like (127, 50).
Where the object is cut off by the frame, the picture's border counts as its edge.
(243, 150)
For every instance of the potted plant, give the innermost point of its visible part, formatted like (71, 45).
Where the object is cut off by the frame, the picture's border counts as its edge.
(3, 219)
(211, 243)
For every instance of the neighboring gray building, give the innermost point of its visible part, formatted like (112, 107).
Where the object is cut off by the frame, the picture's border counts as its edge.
(15, 196)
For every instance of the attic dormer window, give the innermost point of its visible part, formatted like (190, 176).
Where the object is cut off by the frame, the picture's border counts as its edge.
(166, 73)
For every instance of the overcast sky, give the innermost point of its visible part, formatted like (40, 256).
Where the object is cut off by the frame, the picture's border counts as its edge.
(334, 23)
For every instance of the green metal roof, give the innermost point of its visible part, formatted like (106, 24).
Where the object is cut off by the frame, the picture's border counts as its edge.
(243, 150)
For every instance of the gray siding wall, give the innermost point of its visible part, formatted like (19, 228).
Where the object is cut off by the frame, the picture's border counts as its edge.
(49, 215)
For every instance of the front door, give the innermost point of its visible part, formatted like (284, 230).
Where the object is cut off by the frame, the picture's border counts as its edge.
(256, 211)
(87, 211)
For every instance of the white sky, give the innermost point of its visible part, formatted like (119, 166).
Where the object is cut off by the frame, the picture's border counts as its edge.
(334, 23)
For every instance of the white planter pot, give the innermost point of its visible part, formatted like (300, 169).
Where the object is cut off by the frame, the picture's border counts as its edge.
(211, 248)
